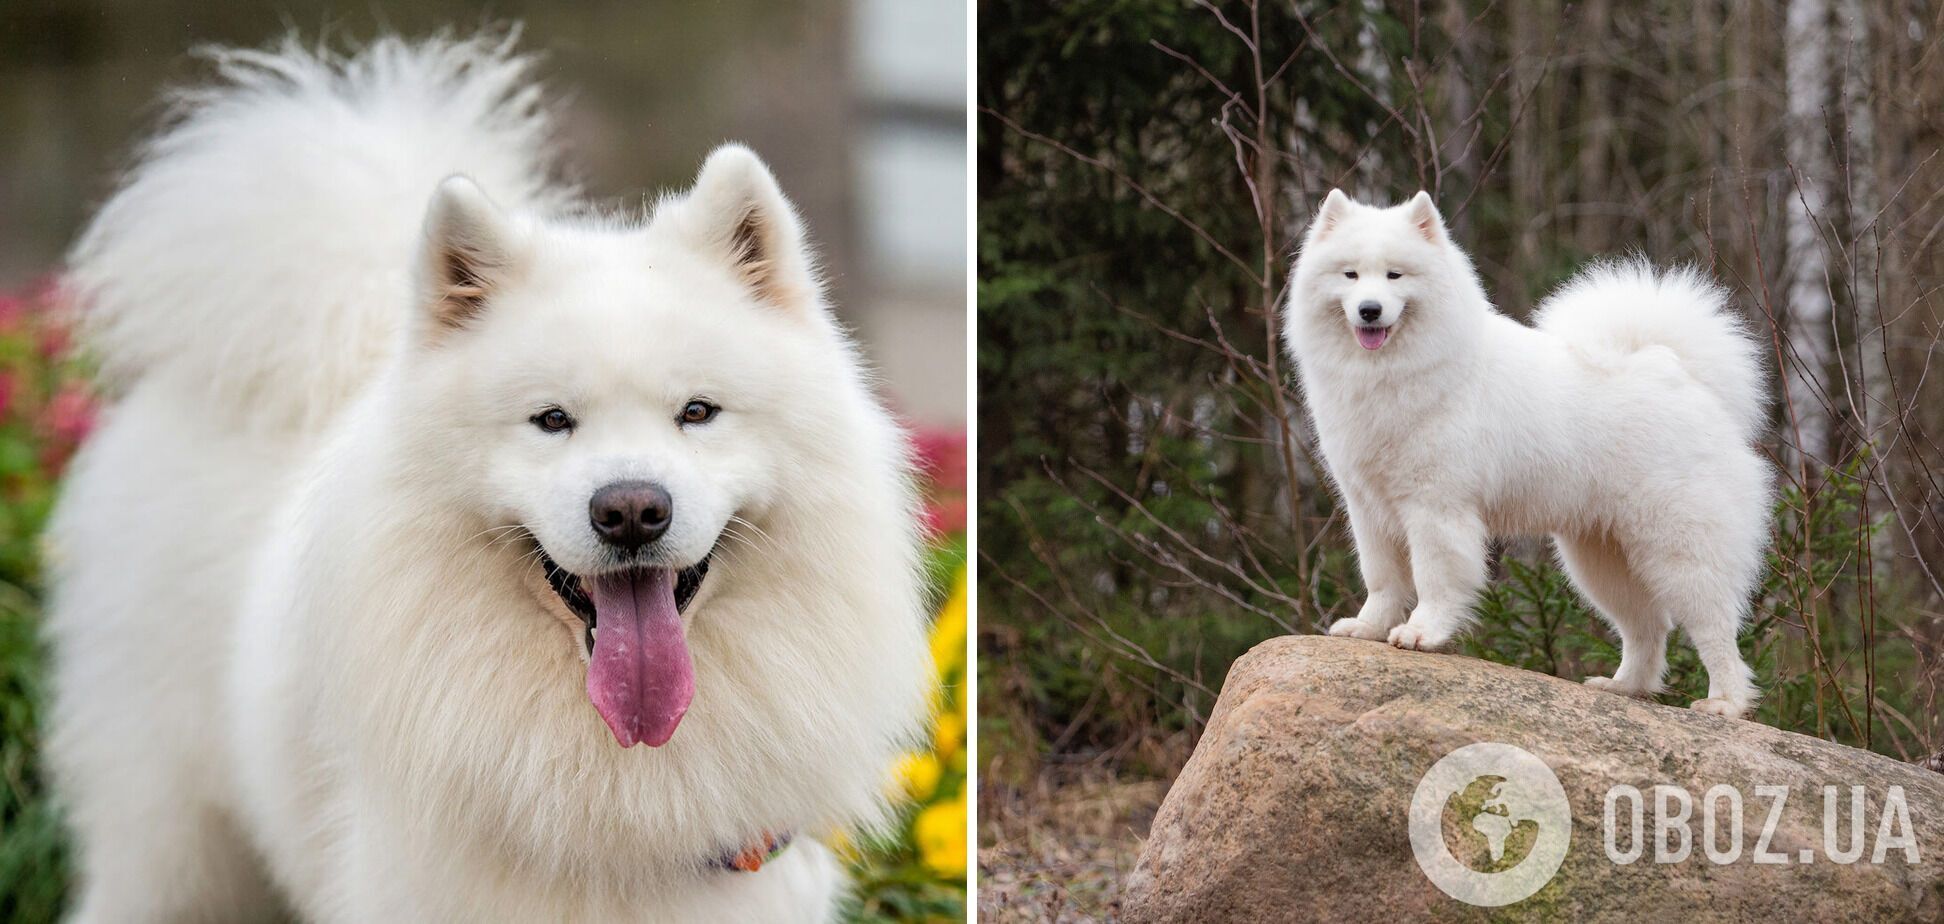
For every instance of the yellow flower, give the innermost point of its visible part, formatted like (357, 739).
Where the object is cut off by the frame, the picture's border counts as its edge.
(940, 836)
(948, 734)
(948, 632)
(840, 843)
(919, 774)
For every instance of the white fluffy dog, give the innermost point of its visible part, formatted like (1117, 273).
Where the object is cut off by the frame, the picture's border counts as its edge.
(407, 524)
(1622, 424)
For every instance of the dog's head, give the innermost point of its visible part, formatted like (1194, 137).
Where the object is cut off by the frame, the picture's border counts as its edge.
(1368, 273)
(623, 397)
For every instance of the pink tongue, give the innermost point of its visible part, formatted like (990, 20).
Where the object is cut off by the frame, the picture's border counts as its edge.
(639, 675)
(1372, 337)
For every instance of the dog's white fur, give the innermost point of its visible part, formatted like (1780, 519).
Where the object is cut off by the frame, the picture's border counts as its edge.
(1622, 424)
(303, 652)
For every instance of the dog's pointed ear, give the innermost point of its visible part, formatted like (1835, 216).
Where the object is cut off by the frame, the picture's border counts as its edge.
(737, 212)
(1424, 217)
(1335, 206)
(466, 254)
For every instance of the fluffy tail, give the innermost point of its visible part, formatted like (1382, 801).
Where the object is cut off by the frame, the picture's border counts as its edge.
(258, 255)
(1628, 306)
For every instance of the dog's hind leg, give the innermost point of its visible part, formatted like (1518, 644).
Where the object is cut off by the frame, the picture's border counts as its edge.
(1706, 596)
(1731, 685)
(1598, 567)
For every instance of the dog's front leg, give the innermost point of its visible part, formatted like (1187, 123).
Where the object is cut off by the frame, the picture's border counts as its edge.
(1386, 575)
(1447, 551)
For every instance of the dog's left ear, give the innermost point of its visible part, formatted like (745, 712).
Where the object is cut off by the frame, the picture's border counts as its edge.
(1424, 216)
(466, 256)
(737, 210)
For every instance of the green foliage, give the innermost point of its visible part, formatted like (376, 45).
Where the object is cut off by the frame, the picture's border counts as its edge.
(43, 413)
(1532, 618)
(917, 872)
(1083, 278)
(884, 895)
(31, 841)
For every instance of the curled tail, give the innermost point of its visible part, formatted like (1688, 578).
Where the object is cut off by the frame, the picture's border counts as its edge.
(258, 253)
(1628, 305)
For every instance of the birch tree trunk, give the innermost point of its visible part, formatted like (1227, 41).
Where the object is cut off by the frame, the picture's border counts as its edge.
(1810, 339)
(1865, 202)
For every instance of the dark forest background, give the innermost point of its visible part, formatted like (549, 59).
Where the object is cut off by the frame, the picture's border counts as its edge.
(1151, 503)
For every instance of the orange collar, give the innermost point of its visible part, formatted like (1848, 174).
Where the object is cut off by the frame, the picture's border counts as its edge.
(754, 854)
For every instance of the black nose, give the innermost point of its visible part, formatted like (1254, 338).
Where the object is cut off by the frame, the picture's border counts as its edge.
(630, 514)
(1370, 311)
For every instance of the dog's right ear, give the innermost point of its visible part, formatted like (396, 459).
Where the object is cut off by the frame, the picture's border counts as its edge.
(1335, 206)
(466, 255)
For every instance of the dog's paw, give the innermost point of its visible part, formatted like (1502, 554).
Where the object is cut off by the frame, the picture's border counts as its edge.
(1356, 628)
(1609, 685)
(1721, 706)
(1415, 637)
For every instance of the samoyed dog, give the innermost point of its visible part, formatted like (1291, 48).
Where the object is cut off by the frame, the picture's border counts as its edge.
(1622, 424)
(428, 494)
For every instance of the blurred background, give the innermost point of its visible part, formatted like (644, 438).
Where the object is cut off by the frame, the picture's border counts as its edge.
(1151, 503)
(857, 105)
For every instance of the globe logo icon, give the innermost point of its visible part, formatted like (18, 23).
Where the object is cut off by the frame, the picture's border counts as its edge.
(1483, 810)
(1490, 824)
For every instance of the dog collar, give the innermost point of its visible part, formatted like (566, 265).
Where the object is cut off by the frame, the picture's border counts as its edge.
(754, 854)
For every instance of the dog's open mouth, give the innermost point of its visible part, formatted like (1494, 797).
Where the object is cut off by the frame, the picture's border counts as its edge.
(1371, 338)
(639, 675)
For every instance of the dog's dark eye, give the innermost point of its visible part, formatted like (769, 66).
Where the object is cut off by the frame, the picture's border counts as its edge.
(698, 412)
(1349, 274)
(553, 420)
(1393, 274)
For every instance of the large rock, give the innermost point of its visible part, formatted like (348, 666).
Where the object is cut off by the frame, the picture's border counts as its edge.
(1297, 802)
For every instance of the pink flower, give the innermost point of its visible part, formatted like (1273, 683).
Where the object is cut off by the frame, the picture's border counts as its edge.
(941, 455)
(70, 414)
(13, 310)
(945, 516)
(54, 340)
(47, 292)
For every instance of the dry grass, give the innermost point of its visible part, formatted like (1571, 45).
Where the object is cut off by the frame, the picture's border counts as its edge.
(1058, 850)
